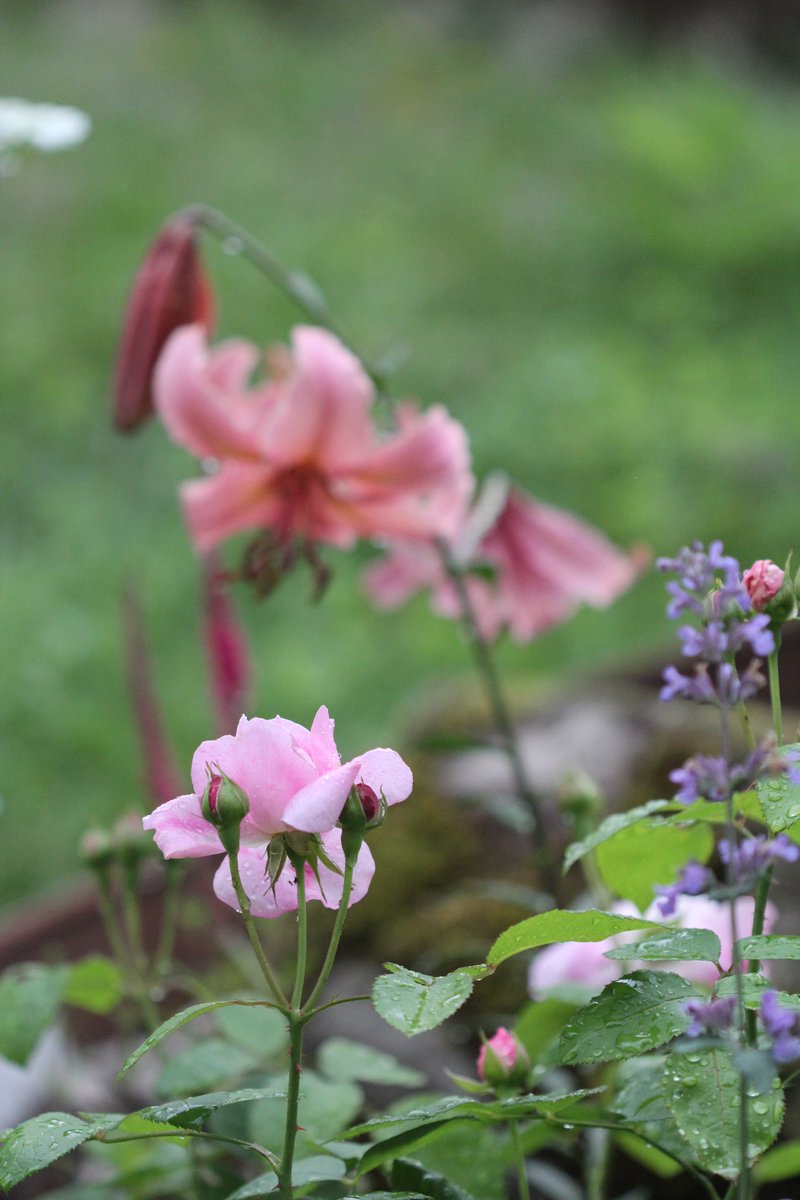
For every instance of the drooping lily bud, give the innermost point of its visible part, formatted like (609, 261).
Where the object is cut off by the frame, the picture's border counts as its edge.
(170, 290)
(225, 805)
(503, 1061)
(229, 665)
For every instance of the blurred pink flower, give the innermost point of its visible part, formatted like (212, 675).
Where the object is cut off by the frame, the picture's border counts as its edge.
(530, 569)
(226, 649)
(300, 454)
(763, 581)
(294, 781)
(581, 963)
(699, 912)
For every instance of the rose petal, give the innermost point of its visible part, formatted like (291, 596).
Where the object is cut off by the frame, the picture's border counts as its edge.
(181, 830)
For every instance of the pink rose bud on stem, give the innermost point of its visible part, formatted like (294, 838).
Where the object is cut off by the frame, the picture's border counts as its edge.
(503, 1060)
(769, 590)
(170, 290)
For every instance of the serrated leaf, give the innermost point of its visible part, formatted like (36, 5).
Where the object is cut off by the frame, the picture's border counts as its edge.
(340, 1058)
(562, 925)
(637, 1013)
(325, 1108)
(703, 1092)
(397, 1146)
(453, 1108)
(651, 852)
(640, 1103)
(35, 1144)
(30, 994)
(414, 1003)
(680, 945)
(194, 1109)
(179, 1019)
(779, 799)
(95, 984)
(770, 946)
(609, 827)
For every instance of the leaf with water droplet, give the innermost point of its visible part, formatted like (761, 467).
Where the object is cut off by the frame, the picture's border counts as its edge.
(610, 827)
(684, 945)
(36, 1143)
(562, 925)
(637, 1013)
(780, 799)
(708, 1112)
(770, 946)
(413, 1002)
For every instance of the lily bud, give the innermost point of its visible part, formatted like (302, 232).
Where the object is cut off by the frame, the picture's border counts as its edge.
(503, 1061)
(170, 290)
(225, 805)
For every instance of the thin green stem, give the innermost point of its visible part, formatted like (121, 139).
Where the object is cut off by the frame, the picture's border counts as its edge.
(292, 1099)
(252, 933)
(108, 916)
(522, 1174)
(193, 1133)
(775, 690)
(132, 917)
(575, 1123)
(747, 728)
(294, 284)
(127, 959)
(333, 946)
(302, 936)
(162, 959)
(503, 721)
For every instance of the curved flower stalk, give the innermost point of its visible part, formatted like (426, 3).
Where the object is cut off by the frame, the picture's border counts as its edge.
(526, 569)
(300, 454)
(296, 785)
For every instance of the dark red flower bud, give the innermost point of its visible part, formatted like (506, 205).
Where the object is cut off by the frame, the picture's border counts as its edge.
(369, 801)
(169, 290)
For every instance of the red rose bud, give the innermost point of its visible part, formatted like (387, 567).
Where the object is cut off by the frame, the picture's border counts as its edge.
(771, 590)
(503, 1060)
(225, 805)
(170, 290)
(370, 803)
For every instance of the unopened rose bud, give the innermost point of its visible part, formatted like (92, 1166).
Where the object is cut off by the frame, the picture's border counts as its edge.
(128, 840)
(763, 582)
(225, 805)
(170, 290)
(503, 1060)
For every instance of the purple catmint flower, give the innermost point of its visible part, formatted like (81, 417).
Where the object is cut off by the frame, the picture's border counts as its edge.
(693, 879)
(713, 1016)
(782, 1025)
(750, 857)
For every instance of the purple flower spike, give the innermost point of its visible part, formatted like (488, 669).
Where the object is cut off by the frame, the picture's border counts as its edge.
(782, 1025)
(712, 1017)
(693, 879)
(753, 855)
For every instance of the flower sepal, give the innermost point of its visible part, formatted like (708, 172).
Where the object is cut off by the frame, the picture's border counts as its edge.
(225, 806)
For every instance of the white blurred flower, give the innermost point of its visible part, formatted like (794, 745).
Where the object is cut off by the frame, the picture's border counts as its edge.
(43, 126)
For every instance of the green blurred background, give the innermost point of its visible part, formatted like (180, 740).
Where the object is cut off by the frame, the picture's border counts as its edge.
(586, 243)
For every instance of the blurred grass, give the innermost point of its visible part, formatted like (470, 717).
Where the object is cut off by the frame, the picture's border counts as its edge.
(592, 258)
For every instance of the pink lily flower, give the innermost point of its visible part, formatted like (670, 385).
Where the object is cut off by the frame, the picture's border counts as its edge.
(300, 454)
(539, 564)
(295, 782)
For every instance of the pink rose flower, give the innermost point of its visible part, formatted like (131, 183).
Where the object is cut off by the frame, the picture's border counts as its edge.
(542, 563)
(763, 581)
(299, 454)
(294, 781)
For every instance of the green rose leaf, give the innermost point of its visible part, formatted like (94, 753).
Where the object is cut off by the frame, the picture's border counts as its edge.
(650, 852)
(194, 1109)
(780, 799)
(637, 1013)
(30, 995)
(770, 946)
(35, 1144)
(562, 925)
(339, 1058)
(703, 1091)
(414, 1003)
(179, 1019)
(611, 826)
(95, 984)
(679, 945)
